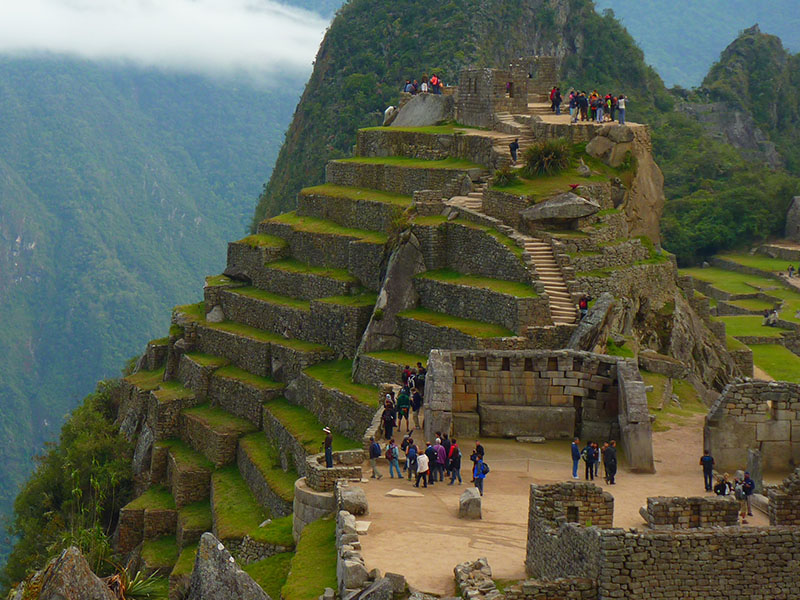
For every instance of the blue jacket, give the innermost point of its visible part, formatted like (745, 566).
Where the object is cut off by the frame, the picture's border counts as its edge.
(374, 450)
(477, 470)
(576, 451)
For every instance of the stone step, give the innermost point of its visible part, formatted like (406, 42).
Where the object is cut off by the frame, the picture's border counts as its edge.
(194, 520)
(165, 405)
(360, 208)
(259, 462)
(291, 277)
(159, 556)
(241, 393)
(152, 515)
(195, 369)
(249, 254)
(188, 473)
(213, 432)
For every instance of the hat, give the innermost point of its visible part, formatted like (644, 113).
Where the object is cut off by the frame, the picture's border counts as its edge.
(326, 429)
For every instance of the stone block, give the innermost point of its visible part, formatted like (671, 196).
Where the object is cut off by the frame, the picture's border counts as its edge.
(469, 505)
(773, 431)
(466, 425)
(777, 456)
(353, 499)
(512, 421)
(353, 574)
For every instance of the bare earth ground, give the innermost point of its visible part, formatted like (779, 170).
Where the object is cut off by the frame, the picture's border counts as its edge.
(424, 539)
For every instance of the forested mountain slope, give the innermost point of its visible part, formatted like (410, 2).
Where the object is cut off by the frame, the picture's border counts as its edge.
(94, 160)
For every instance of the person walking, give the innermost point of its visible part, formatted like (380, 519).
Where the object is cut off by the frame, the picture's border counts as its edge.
(479, 471)
(622, 103)
(576, 457)
(514, 148)
(393, 456)
(422, 469)
(455, 463)
(416, 406)
(374, 455)
(328, 445)
(707, 462)
(411, 458)
(749, 489)
(589, 457)
(441, 459)
(403, 408)
(388, 418)
(610, 462)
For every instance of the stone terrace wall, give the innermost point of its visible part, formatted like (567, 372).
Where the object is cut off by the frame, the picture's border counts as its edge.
(649, 281)
(425, 146)
(360, 214)
(346, 465)
(393, 178)
(784, 502)
(689, 513)
(755, 414)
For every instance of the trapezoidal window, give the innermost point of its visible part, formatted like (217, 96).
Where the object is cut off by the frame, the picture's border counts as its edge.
(506, 364)
(572, 514)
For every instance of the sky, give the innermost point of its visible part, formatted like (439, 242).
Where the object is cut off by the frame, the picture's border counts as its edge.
(212, 37)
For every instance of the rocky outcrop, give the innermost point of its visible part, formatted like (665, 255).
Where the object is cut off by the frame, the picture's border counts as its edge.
(594, 327)
(216, 575)
(793, 220)
(612, 144)
(424, 110)
(67, 577)
(645, 201)
(564, 207)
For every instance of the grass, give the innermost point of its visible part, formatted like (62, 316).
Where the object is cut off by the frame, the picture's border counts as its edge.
(753, 304)
(271, 573)
(236, 511)
(217, 280)
(147, 380)
(545, 186)
(398, 357)
(277, 533)
(196, 516)
(430, 220)
(356, 301)
(262, 240)
(220, 420)
(314, 563)
(314, 225)
(186, 456)
(503, 239)
(265, 336)
(170, 391)
(185, 563)
(292, 265)
(194, 312)
(265, 456)
(257, 381)
(159, 342)
(207, 360)
(156, 497)
(305, 427)
(731, 281)
(623, 351)
(732, 344)
(511, 288)
(469, 327)
(669, 414)
(779, 362)
(264, 296)
(655, 399)
(413, 163)
(757, 261)
(749, 326)
(434, 129)
(160, 552)
(175, 330)
(337, 375)
(353, 193)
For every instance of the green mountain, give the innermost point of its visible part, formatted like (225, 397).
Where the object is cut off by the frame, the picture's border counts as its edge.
(119, 188)
(682, 38)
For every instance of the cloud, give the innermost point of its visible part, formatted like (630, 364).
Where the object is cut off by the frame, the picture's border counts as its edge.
(205, 36)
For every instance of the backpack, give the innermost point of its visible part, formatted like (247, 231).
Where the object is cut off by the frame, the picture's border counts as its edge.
(585, 455)
(389, 453)
(484, 469)
(738, 491)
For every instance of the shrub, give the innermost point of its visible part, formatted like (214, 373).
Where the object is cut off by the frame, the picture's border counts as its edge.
(547, 158)
(504, 177)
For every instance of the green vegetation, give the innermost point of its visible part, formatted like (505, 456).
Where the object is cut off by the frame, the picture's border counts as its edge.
(546, 186)
(271, 573)
(305, 427)
(501, 286)
(732, 344)
(477, 329)
(170, 391)
(337, 375)
(185, 562)
(314, 563)
(778, 362)
(219, 420)
(258, 294)
(413, 163)
(196, 516)
(265, 456)
(449, 128)
(753, 304)
(356, 300)
(430, 220)
(313, 225)
(623, 350)
(668, 413)
(262, 383)
(236, 511)
(156, 497)
(185, 455)
(731, 281)
(353, 193)
(160, 552)
(504, 177)
(261, 240)
(546, 158)
(218, 280)
(207, 360)
(399, 357)
(295, 266)
(749, 326)
(147, 380)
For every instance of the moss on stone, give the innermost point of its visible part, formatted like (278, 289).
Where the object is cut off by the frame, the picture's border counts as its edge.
(501, 286)
(305, 427)
(337, 375)
(353, 193)
(314, 563)
(156, 497)
(478, 329)
(266, 459)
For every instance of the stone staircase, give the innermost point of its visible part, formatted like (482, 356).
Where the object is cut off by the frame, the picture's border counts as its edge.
(549, 273)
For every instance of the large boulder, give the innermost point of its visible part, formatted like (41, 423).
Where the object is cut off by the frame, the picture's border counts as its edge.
(564, 207)
(424, 110)
(793, 220)
(594, 327)
(352, 499)
(469, 505)
(66, 577)
(216, 575)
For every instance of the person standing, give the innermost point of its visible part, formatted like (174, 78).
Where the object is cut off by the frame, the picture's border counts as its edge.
(479, 450)
(432, 455)
(622, 103)
(441, 459)
(583, 105)
(557, 100)
(514, 148)
(455, 462)
(576, 457)
(573, 107)
(479, 473)
(416, 406)
(393, 456)
(388, 418)
(328, 444)
(749, 488)
(739, 494)
(374, 454)
(610, 462)
(403, 408)
(588, 456)
(411, 458)
(707, 462)
(422, 469)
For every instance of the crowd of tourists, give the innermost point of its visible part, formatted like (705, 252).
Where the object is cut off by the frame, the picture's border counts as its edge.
(592, 106)
(741, 486)
(426, 85)
(592, 456)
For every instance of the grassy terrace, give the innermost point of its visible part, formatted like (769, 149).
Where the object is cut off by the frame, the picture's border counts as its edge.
(257, 294)
(161, 552)
(271, 573)
(185, 562)
(749, 326)
(337, 375)
(262, 240)
(511, 288)
(476, 329)
(314, 563)
(207, 360)
(667, 413)
(196, 516)
(413, 163)
(356, 301)
(292, 265)
(353, 193)
(433, 129)
(147, 380)
(437, 220)
(314, 225)
(752, 304)
(730, 281)
(172, 390)
(219, 420)
(398, 357)
(156, 497)
(265, 456)
(305, 427)
(262, 383)
(757, 261)
(217, 280)
(545, 187)
(186, 456)
(779, 362)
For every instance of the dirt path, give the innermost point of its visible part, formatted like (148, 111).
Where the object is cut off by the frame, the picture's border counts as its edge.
(422, 537)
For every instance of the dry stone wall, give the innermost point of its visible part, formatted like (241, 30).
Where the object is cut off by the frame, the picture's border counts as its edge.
(265, 495)
(690, 513)
(394, 178)
(244, 259)
(425, 146)
(358, 214)
(784, 502)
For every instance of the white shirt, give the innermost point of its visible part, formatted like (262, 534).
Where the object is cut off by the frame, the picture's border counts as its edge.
(422, 463)
(621, 103)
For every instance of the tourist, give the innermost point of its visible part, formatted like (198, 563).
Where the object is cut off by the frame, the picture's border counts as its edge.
(576, 457)
(436, 87)
(432, 455)
(723, 487)
(557, 100)
(393, 456)
(589, 457)
(328, 445)
(403, 407)
(583, 304)
(596, 448)
(407, 441)
(770, 318)
(446, 443)
(374, 454)
(412, 379)
(416, 406)
(598, 108)
(553, 99)
(411, 458)
(791, 271)
(454, 463)
(406, 374)
(707, 462)
(749, 489)
(612, 107)
(409, 87)
(422, 469)
(741, 497)
(479, 471)
(583, 105)
(610, 462)
(423, 86)
(441, 459)
(479, 450)
(419, 380)
(514, 148)
(602, 459)
(622, 102)
(388, 419)
(573, 107)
